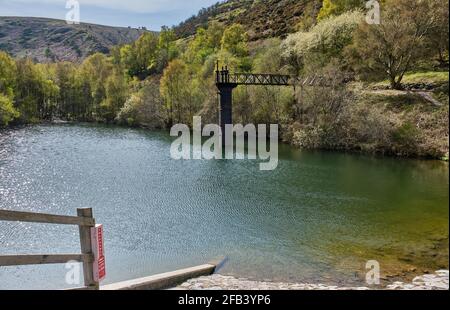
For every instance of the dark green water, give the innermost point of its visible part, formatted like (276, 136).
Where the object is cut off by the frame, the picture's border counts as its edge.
(317, 218)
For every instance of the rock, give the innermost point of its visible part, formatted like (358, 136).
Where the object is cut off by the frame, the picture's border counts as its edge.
(437, 281)
(442, 273)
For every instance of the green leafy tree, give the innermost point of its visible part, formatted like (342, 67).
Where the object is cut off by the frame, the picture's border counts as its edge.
(173, 83)
(323, 43)
(180, 92)
(198, 49)
(140, 58)
(116, 92)
(214, 34)
(144, 107)
(49, 90)
(167, 49)
(69, 104)
(34, 91)
(94, 71)
(337, 7)
(439, 33)
(7, 110)
(8, 72)
(234, 40)
(206, 42)
(392, 48)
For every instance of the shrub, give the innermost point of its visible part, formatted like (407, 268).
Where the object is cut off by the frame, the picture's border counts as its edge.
(7, 111)
(405, 139)
(323, 42)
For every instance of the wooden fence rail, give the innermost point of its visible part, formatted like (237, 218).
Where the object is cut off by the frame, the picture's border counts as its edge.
(84, 220)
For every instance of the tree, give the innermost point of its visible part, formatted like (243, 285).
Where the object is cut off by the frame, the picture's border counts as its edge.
(173, 89)
(144, 107)
(140, 58)
(8, 72)
(391, 48)
(181, 92)
(94, 71)
(115, 55)
(337, 7)
(322, 110)
(49, 90)
(34, 90)
(214, 34)
(322, 43)
(439, 33)
(234, 40)
(7, 110)
(166, 47)
(199, 48)
(115, 96)
(267, 104)
(69, 97)
(309, 16)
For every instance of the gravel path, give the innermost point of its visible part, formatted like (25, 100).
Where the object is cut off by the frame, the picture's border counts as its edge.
(436, 281)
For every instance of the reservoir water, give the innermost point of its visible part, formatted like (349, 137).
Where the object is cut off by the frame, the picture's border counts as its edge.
(319, 217)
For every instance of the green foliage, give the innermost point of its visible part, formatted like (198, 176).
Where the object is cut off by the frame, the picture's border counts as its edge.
(181, 94)
(309, 17)
(428, 79)
(205, 43)
(7, 74)
(35, 91)
(323, 42)
(406, 137)
(141, 57)
(167, 49)
(7, 110)
(234, 40)
(438, 37)
(391, 49)
(158, 81)
(48, 53)
(337, 7)
(265, 104)
(143, 107)
(116, 91)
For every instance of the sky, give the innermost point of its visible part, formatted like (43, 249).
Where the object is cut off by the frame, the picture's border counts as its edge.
(135, 13)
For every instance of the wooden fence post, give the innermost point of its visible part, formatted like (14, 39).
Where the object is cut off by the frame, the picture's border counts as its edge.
(86, 248)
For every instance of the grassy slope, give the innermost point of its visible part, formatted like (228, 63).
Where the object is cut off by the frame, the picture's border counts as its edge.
(416, 126)
(53, 40)
(431, 78)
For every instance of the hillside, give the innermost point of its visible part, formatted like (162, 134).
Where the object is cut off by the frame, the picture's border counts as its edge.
(263, 19)
(47, 40)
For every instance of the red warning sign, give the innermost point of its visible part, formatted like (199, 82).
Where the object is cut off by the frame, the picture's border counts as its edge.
(99, 252)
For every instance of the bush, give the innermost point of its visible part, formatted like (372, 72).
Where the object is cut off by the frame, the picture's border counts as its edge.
(405, 139)
(323, 42)
(7, 111)
(337, 7)
(143, 108)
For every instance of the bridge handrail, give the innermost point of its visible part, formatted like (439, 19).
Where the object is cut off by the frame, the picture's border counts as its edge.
(225, 77)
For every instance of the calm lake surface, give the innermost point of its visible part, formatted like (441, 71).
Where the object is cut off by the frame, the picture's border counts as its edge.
(319, 217)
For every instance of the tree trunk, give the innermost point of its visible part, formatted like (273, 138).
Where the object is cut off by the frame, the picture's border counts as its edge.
(395, 83)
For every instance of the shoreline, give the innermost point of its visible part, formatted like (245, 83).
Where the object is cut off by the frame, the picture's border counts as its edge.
(436, 281)
(350, 151)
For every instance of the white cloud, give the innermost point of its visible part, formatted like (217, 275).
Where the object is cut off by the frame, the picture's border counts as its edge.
(138, 6)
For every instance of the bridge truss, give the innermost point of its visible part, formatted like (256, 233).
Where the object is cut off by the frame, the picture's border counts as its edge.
(224, 77)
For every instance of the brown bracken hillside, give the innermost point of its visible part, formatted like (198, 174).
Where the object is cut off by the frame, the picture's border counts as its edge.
(46, 40)
(262, 18)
